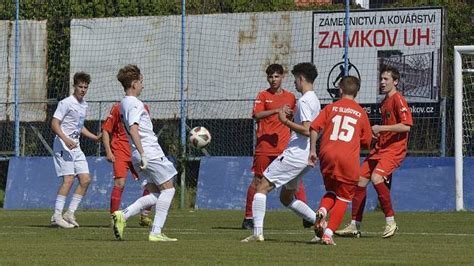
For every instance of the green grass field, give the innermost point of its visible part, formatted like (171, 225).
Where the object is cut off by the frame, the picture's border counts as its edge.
(213, 237)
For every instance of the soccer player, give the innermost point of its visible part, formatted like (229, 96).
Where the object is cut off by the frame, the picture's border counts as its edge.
(148, 158)
(272, 135)
(343, 126)
(69, 160)
(117, 150)
(386, 156)
(288, 168)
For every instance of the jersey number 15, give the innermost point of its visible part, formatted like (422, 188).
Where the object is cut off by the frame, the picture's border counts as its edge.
(343, 131)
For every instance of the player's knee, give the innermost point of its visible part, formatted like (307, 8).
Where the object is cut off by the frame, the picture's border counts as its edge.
(67, 182)
(377, 179)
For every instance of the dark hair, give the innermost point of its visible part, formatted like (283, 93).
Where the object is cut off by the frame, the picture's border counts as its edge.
(392, 70)
(307, 70)
(350, 85)
(274, 68)
(81, 77)
(127, 75)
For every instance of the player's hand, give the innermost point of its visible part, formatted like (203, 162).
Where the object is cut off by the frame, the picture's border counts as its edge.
(312, 159)
(98, 137)
(376, 130)
(143, 162)
(111, 158)
(70, 144)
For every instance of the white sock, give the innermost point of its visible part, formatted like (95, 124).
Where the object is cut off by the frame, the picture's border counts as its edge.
(76, 199)
(141, 203)
(328, 232)
(390, 219)
(302, 210)
(59, 205)
(161, 210)
(259, 205)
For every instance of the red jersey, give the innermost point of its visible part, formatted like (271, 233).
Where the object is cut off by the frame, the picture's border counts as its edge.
(345, 127)
(272, 135)
(114, 126)
(394, 110)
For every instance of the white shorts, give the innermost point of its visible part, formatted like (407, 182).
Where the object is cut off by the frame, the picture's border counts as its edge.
(69, 162)
(158, 171)
(286, 171)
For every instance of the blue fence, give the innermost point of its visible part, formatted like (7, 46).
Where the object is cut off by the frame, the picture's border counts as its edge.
(421, 184)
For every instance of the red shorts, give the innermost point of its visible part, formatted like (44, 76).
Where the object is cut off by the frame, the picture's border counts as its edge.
(121, 168)
(260, 163)
(344, 191)
(382, 166)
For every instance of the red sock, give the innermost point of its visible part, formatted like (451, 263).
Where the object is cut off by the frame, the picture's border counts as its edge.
(358, 203)
(337, 214)
(384, 198)
(146, 192)
(115, 198)
(301, 194)
(327, 201)
(248, 204)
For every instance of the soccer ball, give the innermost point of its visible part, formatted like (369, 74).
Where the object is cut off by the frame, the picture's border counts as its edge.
(199, 137)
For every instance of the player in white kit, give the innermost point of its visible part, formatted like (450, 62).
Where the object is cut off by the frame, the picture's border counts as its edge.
(288, 168)
(69, 160)
(147, 157)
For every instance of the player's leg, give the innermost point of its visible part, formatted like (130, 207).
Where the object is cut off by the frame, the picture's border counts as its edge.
(359, 199)
(116, 195)
(145, 219)
(247, 223)
(64, 166)
(120, 168)
(299, 207)
(260, 163)
(300, 195)
(343, 194)
(259, 205)
(81, 189)
(82, 169)
(384, 168)
(57, 218)
(161, 172)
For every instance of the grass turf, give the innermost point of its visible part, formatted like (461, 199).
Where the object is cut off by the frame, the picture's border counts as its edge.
(213, 237)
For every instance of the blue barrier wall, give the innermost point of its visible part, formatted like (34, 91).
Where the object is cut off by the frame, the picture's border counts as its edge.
(421, 184)
(32, 183)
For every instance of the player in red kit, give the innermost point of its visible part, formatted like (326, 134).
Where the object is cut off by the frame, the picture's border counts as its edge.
(344, 127)
(386, 156)
(117, 150)
(272, 135)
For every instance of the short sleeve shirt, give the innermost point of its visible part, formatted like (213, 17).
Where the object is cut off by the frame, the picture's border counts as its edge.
(272, 135)
(345, 127)
(133, 111)
(114, 126)
(307, 108)
(72, 114)
(394, 110)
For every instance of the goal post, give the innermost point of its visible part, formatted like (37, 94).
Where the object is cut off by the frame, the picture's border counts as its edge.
(461, 89)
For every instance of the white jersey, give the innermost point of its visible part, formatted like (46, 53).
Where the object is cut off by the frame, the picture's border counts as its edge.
(307, 109)
(132, 111)
(72, 114)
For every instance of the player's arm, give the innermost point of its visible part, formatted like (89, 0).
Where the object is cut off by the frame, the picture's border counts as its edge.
(138, 144)
(302, 129)
(86, 133)
(313, 157)
(106, 142)
(399, 128)
(56, 127)
(265, 114)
